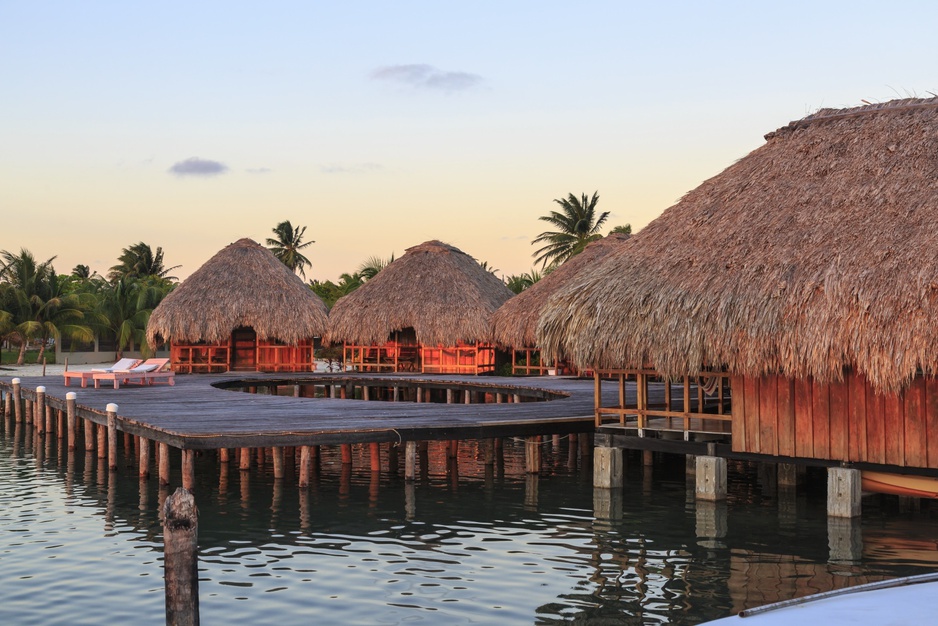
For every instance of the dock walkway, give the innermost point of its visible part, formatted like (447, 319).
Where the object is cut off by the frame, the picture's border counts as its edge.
(195, 414)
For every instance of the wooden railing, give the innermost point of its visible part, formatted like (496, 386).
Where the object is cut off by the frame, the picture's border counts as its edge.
(691, 403)
(199, 359)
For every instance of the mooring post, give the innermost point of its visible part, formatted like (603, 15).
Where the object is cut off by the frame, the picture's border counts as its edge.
(188, 469)
(112, 436)
(144, 460)
(277, 453)
(304, 466)
(843, 492)
(711, 478)
(40, 410)
(532, 455)
(410, 461)
(180, 558)
(70, 404)
(163, 461)
(17, 401)
(607, 467)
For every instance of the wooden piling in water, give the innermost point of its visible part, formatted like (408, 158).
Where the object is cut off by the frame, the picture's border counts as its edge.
(112, 436)
(102, 441)
(375, 450)
(143, 470)
(305, 466)
(346, 454)
(410, 461)
(277, 454)
(180, 558)
(17, 401)
(188, 469)
(532, 455)
(244, 459)
(70, 404)
(40, 410)
(163, 462)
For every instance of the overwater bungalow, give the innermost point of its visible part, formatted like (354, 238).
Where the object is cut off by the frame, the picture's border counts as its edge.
(514, 324)
(243, 310)
(799, 286)
(428, 311)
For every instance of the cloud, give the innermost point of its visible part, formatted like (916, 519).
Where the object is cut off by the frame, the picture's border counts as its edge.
(195, 166)
(424, 76)
(355, 168)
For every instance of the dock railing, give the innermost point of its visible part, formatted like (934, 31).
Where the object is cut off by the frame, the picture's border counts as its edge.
(697, 403)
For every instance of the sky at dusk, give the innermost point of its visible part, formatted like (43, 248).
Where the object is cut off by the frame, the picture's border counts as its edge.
(380, 125)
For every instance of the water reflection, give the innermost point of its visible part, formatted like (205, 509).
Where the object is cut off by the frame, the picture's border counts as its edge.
(473, 538)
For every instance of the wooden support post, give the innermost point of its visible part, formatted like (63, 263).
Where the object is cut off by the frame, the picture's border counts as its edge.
(787, 475)
(648, 458)
(607, 467)
(366, 392)
(102, 440)
(419, 394)
(17, 401)
(452, 448)
(711, 478)
(224, 455)
(244, 461)
(346, 454)
(144, 460)
(499, 398)
(89, 436)
(40, 410)
(188, 469)
(70, 407)
(375, 450)
(30, 407)
(410, 461)
(532, 455)
(397, 394)
(305, 465)
(8, 405)
(488, 451)
(180, 558)
(843, 492)
(163, 454)
(112, 436)
(449, 395)
(277, 453)
(468, 399)
(60, 425)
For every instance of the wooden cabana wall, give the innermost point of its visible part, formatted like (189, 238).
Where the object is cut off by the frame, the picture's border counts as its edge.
(844, 421)
(462, 358)
(263, 356)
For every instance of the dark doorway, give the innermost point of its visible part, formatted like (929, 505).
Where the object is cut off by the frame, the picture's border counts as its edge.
(244, 349)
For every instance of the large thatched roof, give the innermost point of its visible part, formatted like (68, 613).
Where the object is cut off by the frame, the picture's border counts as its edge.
(515, 322)
(434, 288)
(243, 285)
(817, 251)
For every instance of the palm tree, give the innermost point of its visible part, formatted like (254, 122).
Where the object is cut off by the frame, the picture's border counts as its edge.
(519, 282)
(287, 244)
(139, 261)
(372, 265)
(37, 304)
(625, 229)
(577, 225)
(124, 308)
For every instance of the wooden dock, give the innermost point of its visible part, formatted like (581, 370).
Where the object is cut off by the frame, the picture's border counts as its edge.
(195, 414)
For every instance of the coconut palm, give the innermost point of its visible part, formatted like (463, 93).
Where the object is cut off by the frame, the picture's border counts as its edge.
(577, 224)
(519, 282)
(287, 246)
(124, 308)
(624, 229)
(372, 265)
(139, 261)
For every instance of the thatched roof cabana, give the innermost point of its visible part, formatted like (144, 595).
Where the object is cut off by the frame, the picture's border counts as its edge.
(515, 322)
(434, 288)
(243, 285)
(817, 251)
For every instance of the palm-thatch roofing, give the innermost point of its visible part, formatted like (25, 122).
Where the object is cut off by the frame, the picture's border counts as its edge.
(515, 322)
(434, 288)
(816, 252)
(244, 284)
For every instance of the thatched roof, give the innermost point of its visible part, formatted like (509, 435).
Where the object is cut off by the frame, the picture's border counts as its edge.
(817, 251)
(243, 285)
(515, 323)
(434, 288)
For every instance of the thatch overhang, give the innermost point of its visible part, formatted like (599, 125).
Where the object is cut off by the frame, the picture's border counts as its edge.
(816, 252)
(434, 288)
(514, 324)
(244, 284)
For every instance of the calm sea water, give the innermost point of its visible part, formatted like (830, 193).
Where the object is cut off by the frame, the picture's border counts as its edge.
(465, 544)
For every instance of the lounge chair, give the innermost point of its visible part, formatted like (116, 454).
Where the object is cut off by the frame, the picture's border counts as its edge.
(143, 374)
(85, 375)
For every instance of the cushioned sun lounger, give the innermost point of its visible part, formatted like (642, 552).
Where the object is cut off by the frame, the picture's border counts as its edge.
(85, 375)
(137, 374)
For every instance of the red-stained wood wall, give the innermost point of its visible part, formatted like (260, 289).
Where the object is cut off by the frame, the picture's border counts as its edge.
(845, 421)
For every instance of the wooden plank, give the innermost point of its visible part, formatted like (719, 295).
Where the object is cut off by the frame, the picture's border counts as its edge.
(821, 419)
(915, 445)
(875, 426)
(839, 434)
(894, 428)
(931, 421)
(738, 412)
(804, 429)
(752, 415)
(786, 416)
(768, 415)
(856, 416)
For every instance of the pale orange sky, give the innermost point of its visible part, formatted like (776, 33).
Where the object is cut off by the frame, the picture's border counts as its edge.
(379, 126)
